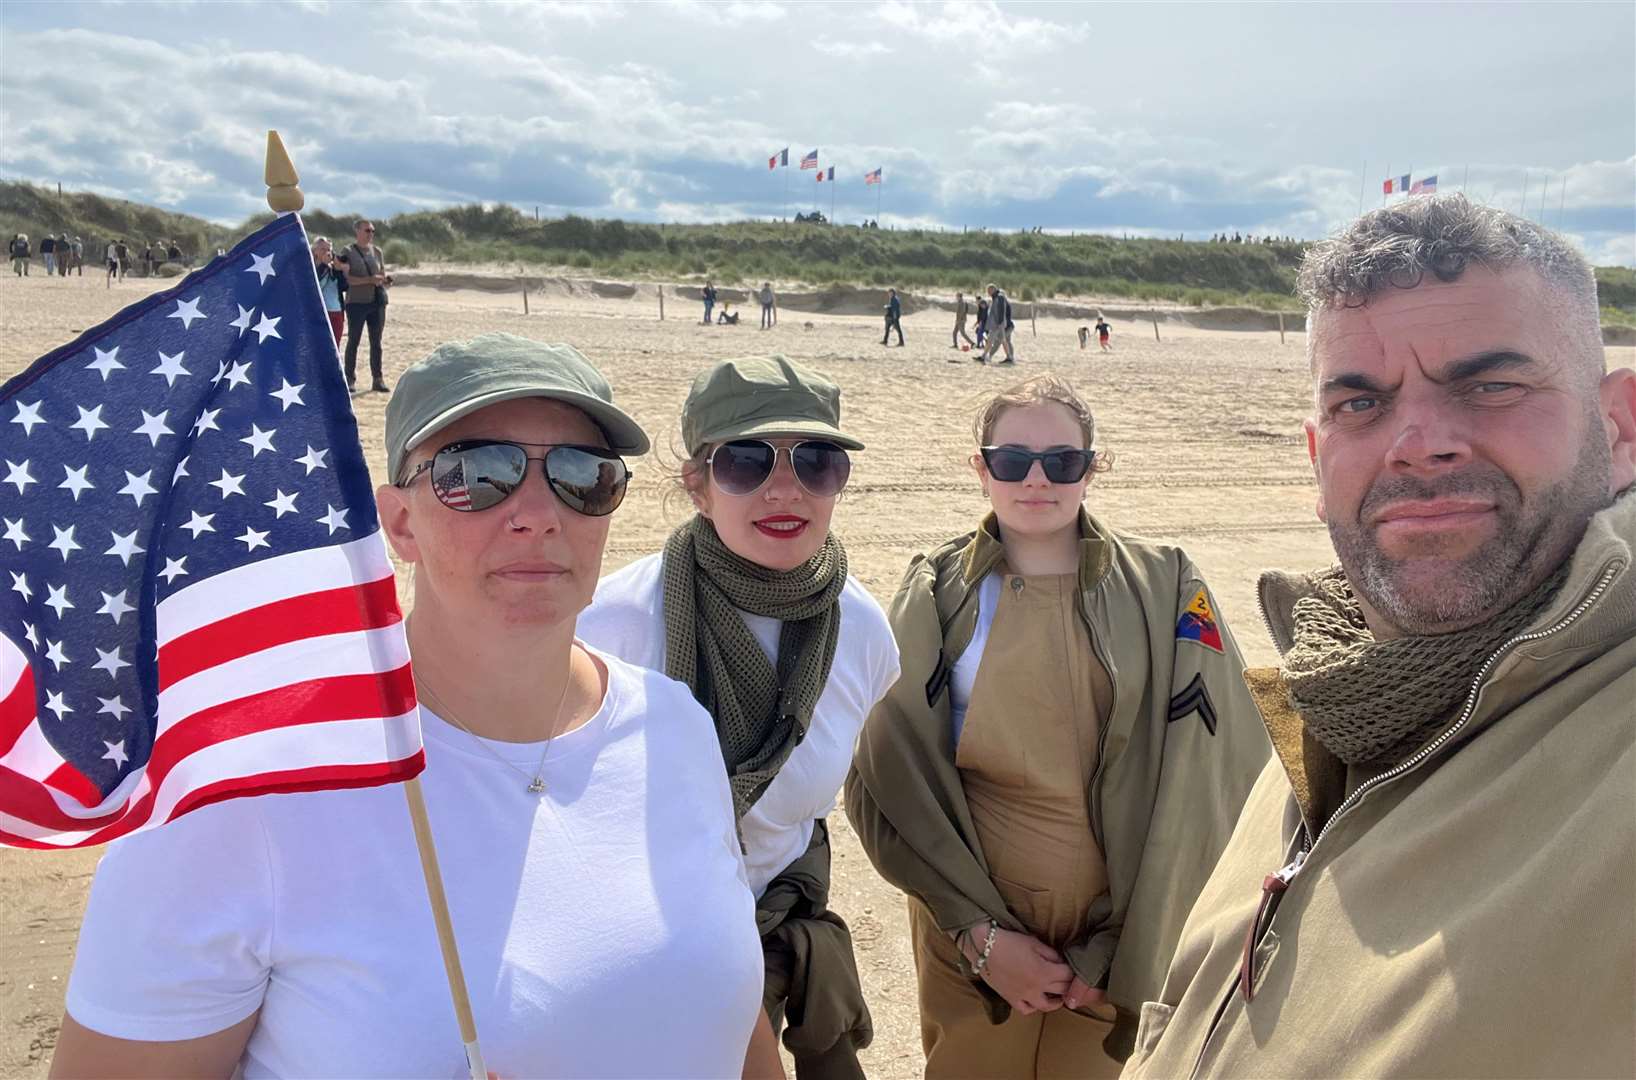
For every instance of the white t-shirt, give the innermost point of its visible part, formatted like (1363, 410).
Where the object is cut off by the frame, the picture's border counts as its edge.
(627, 618)
(964, 676)
(605, 927)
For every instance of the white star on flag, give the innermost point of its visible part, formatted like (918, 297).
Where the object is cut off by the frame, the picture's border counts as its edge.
(252, 539)
(206, 422)
(170, 367)
(90, 421)
(28, 415)
(64, 541)
(125, 546)
(259, 440)
(114, 605)
(55, 654)
(114, 707)
(335, 519)
(75, 481)
(54, 702)
(19, 475)
(116, 751)
(187, 311)
(108, 660)
(59, 601)
(289, 395)
(229, 484)
(15, 533)
(262, 267)
(241, 324)
(267, 328)
(238, 375)
(137, 487)
(106, 362)
(282, 504)
(173, 569)
(19, 584)
(154, 426)
(199, 523)
(312, 459)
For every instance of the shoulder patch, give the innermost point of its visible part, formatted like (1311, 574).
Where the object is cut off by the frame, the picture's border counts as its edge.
(1195, 698)
(1198, 622)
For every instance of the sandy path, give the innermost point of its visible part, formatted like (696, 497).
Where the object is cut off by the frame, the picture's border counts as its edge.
(1205, 426)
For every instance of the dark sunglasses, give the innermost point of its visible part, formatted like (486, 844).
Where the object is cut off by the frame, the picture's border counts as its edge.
(1010, 464)
(480, 474)
(741, 467)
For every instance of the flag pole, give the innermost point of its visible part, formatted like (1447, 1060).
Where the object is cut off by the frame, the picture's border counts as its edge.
(1383, 196)
(1561, 205)
(284, 196)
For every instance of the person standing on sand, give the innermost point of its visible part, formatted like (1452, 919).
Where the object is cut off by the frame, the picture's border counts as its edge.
(751, 606)
(999, 326)
(20, 254)
(331, 283)
(708, 295)
(769, 306)
(124, 258)
(77, 246)
(1102, 332)
(48, 252)
(1052, 776)
(110, 257)
(982, 321)
(894, 317)
(1434, 876)
(65, 255)
(367, 283)
(960, 322)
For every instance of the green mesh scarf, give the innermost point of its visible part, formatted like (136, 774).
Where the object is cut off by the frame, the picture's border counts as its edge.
(761, 712)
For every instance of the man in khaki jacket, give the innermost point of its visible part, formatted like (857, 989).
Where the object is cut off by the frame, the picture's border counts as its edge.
(1436, 876)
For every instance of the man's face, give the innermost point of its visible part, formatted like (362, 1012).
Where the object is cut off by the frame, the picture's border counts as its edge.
(1458, 446)
(365, 234)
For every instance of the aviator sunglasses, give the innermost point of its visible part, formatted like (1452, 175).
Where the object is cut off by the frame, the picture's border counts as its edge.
(741, 467)
(479, 474)
(1010, 464)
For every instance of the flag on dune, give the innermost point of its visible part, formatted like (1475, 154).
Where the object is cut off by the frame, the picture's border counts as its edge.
(810, 160)
(200, 605)
(826, 174)
(1398, 184)
(831, 172)
(780, 158)
(872, 177)
(1424, 186)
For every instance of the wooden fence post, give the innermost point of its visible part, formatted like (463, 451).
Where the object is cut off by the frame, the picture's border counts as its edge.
(1280, 328)
(1033, 317)
(525, 297)
(661, 303)
(1155, 315)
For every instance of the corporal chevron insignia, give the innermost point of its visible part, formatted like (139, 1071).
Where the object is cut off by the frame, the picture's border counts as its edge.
(1195, 698)
(1198, 622)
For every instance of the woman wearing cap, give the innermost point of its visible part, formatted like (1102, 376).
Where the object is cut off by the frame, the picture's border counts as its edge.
(751, 606)
(1061, 763)
(584, 826)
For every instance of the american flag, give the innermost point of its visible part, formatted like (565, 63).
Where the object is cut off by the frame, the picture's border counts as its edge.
(200, 605)
(810, 160)
(1424, 186)
(872, 177)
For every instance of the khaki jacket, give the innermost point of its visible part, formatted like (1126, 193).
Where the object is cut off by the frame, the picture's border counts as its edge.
(1469, 913)
(1179, 752)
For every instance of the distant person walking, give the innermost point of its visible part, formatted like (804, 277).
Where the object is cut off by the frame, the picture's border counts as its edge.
(982, 320)
(367, 282)
(20, 253)
(894, 317)
(709, 295)
(77, 246)
(960, 311)
(331, 284)
(110, 258)
(65, 254)
(769, 306)
(123, 252)
(48, 252)
(1102, 332)
(148, 262)
(173, 253)
(999, 326)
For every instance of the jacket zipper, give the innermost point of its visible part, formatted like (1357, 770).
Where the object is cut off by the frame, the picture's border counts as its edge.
(1095, 799)
(1277, 882)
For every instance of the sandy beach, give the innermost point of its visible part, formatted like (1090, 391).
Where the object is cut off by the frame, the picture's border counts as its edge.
(1205, 426)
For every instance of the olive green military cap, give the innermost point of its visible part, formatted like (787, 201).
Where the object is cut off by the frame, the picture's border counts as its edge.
(460, 377)
(762, 397)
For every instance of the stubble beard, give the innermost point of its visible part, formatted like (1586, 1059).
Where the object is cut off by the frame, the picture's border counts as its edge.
(1435, 595)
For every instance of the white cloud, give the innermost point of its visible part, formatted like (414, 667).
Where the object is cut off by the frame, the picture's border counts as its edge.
(849, 50)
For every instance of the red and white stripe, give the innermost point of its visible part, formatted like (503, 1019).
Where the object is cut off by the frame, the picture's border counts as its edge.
(291, 674)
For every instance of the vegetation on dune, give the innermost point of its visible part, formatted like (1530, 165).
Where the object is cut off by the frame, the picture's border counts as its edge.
(1028, 265)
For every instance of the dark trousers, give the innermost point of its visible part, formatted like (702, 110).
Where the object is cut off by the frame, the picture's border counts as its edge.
(892, 323)
(372, 315)
(766, 316)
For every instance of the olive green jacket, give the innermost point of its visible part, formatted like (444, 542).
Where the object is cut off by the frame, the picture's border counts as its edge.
(1178, 753)
(1471, 912)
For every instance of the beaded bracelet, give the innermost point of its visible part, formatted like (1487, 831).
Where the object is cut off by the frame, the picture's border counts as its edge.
(988, 946)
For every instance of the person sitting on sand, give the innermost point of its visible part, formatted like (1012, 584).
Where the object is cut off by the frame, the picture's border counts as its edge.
(726, 318)
(1061, 762)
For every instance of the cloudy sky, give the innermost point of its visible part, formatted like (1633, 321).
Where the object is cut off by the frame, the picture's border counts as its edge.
(1142, 118)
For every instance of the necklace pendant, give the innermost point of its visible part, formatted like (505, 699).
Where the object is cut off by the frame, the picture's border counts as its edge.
(536, 786)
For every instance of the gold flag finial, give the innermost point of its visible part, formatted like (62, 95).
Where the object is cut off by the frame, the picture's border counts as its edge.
(283, 191)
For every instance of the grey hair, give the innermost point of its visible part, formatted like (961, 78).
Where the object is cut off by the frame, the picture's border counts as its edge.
(1397, 246)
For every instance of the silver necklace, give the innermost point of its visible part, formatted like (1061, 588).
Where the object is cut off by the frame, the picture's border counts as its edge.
(536, 785)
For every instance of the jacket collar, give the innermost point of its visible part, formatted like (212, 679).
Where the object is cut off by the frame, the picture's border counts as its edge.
(986, 551)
